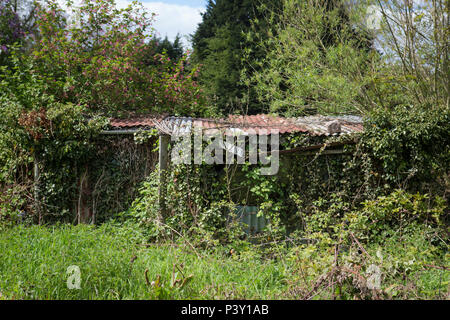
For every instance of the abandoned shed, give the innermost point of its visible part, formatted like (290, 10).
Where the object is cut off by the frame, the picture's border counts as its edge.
(128, 151)
(314, 128)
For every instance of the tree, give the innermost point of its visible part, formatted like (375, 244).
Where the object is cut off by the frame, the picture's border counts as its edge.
(325, 55)
(52, 97)
(11, 31)
(315, 59)
(17, 25)
(174, 50)
(218, 45)
(97, 57)
(414, 38)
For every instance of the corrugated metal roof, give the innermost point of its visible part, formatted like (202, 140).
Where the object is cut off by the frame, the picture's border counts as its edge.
(319, 125)
(132, 123)
(261, 124)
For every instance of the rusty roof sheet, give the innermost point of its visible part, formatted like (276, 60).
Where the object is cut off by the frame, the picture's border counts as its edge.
(318, 125)
(261, 124)
(132, 123)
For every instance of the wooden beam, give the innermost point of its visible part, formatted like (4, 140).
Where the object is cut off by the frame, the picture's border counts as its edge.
(312, 150)
(324, 152)
(316, 147)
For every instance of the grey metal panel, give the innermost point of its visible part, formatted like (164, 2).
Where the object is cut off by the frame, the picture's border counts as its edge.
(248, 215)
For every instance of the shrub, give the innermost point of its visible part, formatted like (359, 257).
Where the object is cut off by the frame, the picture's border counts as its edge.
(397, 241)
(410, 147)
(191, 210)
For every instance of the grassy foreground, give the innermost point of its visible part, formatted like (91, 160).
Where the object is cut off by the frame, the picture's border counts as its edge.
(34, 262)
(115, 263)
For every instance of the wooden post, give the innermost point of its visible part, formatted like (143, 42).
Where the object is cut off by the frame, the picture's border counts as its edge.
(163, 165)
(37, 191)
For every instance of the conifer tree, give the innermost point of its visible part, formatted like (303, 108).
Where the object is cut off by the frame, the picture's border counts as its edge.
(219, 44)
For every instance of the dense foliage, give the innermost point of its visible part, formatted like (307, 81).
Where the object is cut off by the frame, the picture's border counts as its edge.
(315, 60)
(410, 147)
(116, 262)
(368, 223)
(10, 29)
(99, 59)
(38, 129)
(60, 75)
(174, 49)
(219, 45)
(325, 56)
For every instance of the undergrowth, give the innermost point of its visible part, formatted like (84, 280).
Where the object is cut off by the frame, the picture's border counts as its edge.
(116, 263)
(336, 257)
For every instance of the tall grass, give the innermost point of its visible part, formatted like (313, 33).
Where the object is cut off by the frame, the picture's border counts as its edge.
(116, 263)
(34, 261)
